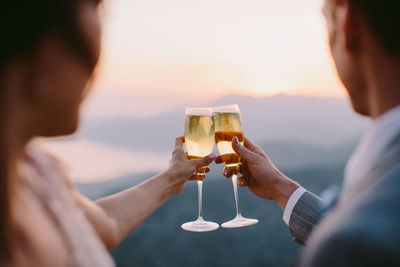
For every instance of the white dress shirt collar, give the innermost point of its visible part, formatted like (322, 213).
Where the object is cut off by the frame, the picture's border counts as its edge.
(371, 147)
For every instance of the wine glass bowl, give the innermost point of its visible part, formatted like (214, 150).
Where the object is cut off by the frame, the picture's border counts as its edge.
(228, 124)
(199, 142)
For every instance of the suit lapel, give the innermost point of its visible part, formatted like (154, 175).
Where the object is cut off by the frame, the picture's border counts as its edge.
(389, 159)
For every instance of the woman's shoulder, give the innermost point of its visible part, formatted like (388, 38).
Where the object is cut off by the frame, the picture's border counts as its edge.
(48, 182)
(39, 159)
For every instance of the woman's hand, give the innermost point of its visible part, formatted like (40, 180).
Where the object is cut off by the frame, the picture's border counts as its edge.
(122, 212)
(259, 174)
(181, 169)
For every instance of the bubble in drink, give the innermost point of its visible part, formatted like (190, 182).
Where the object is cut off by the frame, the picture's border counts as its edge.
(227, 126)
(199, 137)
(200, 170)
(224, 144)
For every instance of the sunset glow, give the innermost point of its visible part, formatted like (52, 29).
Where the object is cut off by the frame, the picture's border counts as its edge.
(161, 56)
(187, 49)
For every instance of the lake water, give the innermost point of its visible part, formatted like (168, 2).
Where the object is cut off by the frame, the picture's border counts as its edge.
(88, 161)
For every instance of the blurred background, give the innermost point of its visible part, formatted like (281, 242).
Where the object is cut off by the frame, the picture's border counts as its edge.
(270, 57)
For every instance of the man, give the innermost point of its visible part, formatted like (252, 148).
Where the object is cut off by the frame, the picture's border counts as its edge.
(362, 228)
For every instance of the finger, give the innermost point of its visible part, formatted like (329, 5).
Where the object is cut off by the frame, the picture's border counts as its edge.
(229, 171)
(200, 176)
(218, 160)
(241, 181)
(244, 169)
(197, 177)
(250, 145)
(242, 151)
(203, 170)
(254, 148)
(203, 161)
(179, 141)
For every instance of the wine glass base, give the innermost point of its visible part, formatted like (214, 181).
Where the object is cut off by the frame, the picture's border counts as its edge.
(239, 221)
(200, 225)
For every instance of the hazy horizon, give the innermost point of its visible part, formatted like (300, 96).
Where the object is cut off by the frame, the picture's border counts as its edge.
(157, 54)
(110, 145)
(100, 104)
(159, 57)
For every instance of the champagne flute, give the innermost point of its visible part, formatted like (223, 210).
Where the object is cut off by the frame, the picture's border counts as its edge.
(199, 142)
(228, 124)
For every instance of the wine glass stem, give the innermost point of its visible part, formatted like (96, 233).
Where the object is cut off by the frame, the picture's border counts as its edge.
(235, 191)
(200, 189)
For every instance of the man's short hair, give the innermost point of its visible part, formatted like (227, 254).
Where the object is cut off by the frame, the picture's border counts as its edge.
(383, 18)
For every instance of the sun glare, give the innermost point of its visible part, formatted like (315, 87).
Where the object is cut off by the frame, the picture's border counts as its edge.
(187, 48)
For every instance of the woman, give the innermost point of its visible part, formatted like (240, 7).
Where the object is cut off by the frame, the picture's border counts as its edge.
(48, 51)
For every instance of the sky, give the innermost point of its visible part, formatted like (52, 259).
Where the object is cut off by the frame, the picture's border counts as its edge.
(157, 53)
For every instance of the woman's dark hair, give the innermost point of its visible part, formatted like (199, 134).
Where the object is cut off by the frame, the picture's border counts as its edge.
(23, 25)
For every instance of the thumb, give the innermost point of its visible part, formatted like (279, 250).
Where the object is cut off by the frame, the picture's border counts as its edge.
(242, 151)
(204, 161)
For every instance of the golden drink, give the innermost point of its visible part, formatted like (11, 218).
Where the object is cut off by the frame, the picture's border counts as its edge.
(199, 142)
(227, 126)
(199, 136)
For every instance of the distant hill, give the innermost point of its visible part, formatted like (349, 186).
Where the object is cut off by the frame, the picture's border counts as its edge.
(97, 190)
(309, 139)
(324, 122)
(160, 241)
(295, 156)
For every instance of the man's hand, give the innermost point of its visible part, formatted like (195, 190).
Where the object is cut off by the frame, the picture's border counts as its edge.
(259, 174)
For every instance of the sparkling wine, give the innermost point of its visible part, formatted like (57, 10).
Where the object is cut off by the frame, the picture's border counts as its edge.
(227, 126)
(199, 142)
(199, 136)
(224, 144)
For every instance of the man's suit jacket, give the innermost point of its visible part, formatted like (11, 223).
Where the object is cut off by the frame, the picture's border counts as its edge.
(363, 229)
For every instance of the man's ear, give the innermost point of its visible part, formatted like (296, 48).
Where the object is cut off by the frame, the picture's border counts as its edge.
(349, 20)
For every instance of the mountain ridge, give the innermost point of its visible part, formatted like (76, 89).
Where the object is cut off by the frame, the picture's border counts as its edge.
(322, 121)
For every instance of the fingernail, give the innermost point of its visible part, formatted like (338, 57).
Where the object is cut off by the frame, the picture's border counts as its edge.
(212, 156)
(236, 140)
